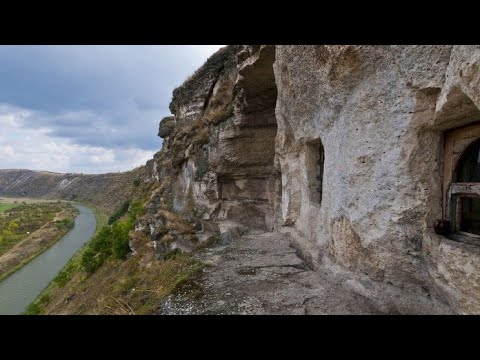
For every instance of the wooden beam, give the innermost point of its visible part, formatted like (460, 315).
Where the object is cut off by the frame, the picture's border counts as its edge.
(465, 189)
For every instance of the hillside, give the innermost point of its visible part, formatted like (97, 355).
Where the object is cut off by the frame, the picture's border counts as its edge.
(104, 191)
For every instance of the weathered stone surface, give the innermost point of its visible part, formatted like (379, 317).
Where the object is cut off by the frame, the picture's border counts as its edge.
(260, 274)
(378, 114)
(166, 127)
(378, 111)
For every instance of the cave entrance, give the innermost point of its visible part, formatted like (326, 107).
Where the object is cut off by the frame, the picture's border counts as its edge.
(249, 188)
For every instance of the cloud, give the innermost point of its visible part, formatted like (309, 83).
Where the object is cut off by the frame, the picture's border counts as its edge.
(36, 149)
(88, 108)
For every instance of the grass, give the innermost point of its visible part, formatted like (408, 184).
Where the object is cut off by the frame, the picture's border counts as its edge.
(43, 232)
(20, 221)
(30, 258)
(143, 289)
(5, 207)
(121, 287)
(135, 285)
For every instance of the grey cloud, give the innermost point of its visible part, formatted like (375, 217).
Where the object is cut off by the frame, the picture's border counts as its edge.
(82, 92)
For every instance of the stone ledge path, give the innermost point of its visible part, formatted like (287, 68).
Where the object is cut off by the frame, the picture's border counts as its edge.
(261, 274)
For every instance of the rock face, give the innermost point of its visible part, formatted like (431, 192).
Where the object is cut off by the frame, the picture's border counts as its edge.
(380, 113)
(341, 147)
(219, 148)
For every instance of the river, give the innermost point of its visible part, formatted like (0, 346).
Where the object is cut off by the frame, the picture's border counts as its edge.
(22, 287)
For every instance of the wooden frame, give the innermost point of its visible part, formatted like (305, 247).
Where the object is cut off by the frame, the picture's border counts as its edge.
(456, 143)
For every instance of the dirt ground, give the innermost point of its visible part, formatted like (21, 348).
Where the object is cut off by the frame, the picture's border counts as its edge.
(11, 200)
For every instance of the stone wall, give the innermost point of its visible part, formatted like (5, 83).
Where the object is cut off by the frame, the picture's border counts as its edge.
(380, 112)
(340, 146)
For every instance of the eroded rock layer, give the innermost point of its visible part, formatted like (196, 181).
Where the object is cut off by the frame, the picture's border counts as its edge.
(339, 146)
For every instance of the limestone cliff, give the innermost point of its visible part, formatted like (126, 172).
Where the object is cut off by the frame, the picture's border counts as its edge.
(339, 146)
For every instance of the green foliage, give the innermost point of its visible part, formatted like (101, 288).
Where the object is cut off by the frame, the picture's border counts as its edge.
(99, 249)
(33, 309)
(120, 247)
(65, 275)
(136, 210)
(5, 207)
(112, 239)
(102, 241)
(65, 224)
(136, 182)
(17, 222)
(36, 307)
(122, 210)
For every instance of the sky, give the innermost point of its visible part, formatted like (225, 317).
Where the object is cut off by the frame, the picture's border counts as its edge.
(88, 109)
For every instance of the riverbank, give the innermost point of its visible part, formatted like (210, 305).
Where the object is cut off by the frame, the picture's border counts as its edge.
(71, 267)
(29, 229)
(22, 287)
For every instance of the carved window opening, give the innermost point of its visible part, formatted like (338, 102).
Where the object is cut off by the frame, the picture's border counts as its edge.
(462, 184)
(315, 158)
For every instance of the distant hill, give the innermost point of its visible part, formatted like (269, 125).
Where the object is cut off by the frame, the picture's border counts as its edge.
(106, 191)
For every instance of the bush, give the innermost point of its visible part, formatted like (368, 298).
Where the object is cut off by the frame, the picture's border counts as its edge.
(36, 307)
(102, 241)
(99, 249)
(64, 276)
(136, 210)
(136, 182)
(120, 240)
(65, 224)
(110, 240)
(33, 309)
(122, 210)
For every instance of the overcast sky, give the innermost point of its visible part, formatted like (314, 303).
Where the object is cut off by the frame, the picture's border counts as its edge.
(90, 109)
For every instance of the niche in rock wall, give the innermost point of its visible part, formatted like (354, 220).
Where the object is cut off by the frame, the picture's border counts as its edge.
(243, 188)
(314, 161)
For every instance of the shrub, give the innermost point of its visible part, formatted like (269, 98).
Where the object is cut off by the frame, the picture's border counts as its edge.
(136, 182)
(136, 210)
(120, 239)
(64, 276)
(33, 309)
(99, 249)
(65, 224)
(111, 239)
(122, 210)
(36, 307)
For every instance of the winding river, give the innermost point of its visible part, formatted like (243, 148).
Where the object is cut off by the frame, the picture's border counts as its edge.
(22, 287)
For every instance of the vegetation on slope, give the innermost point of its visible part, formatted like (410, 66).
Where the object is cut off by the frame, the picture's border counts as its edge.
(5, 207)
(122, 210)
(26, 230)
(105, 277)
(111, 240)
